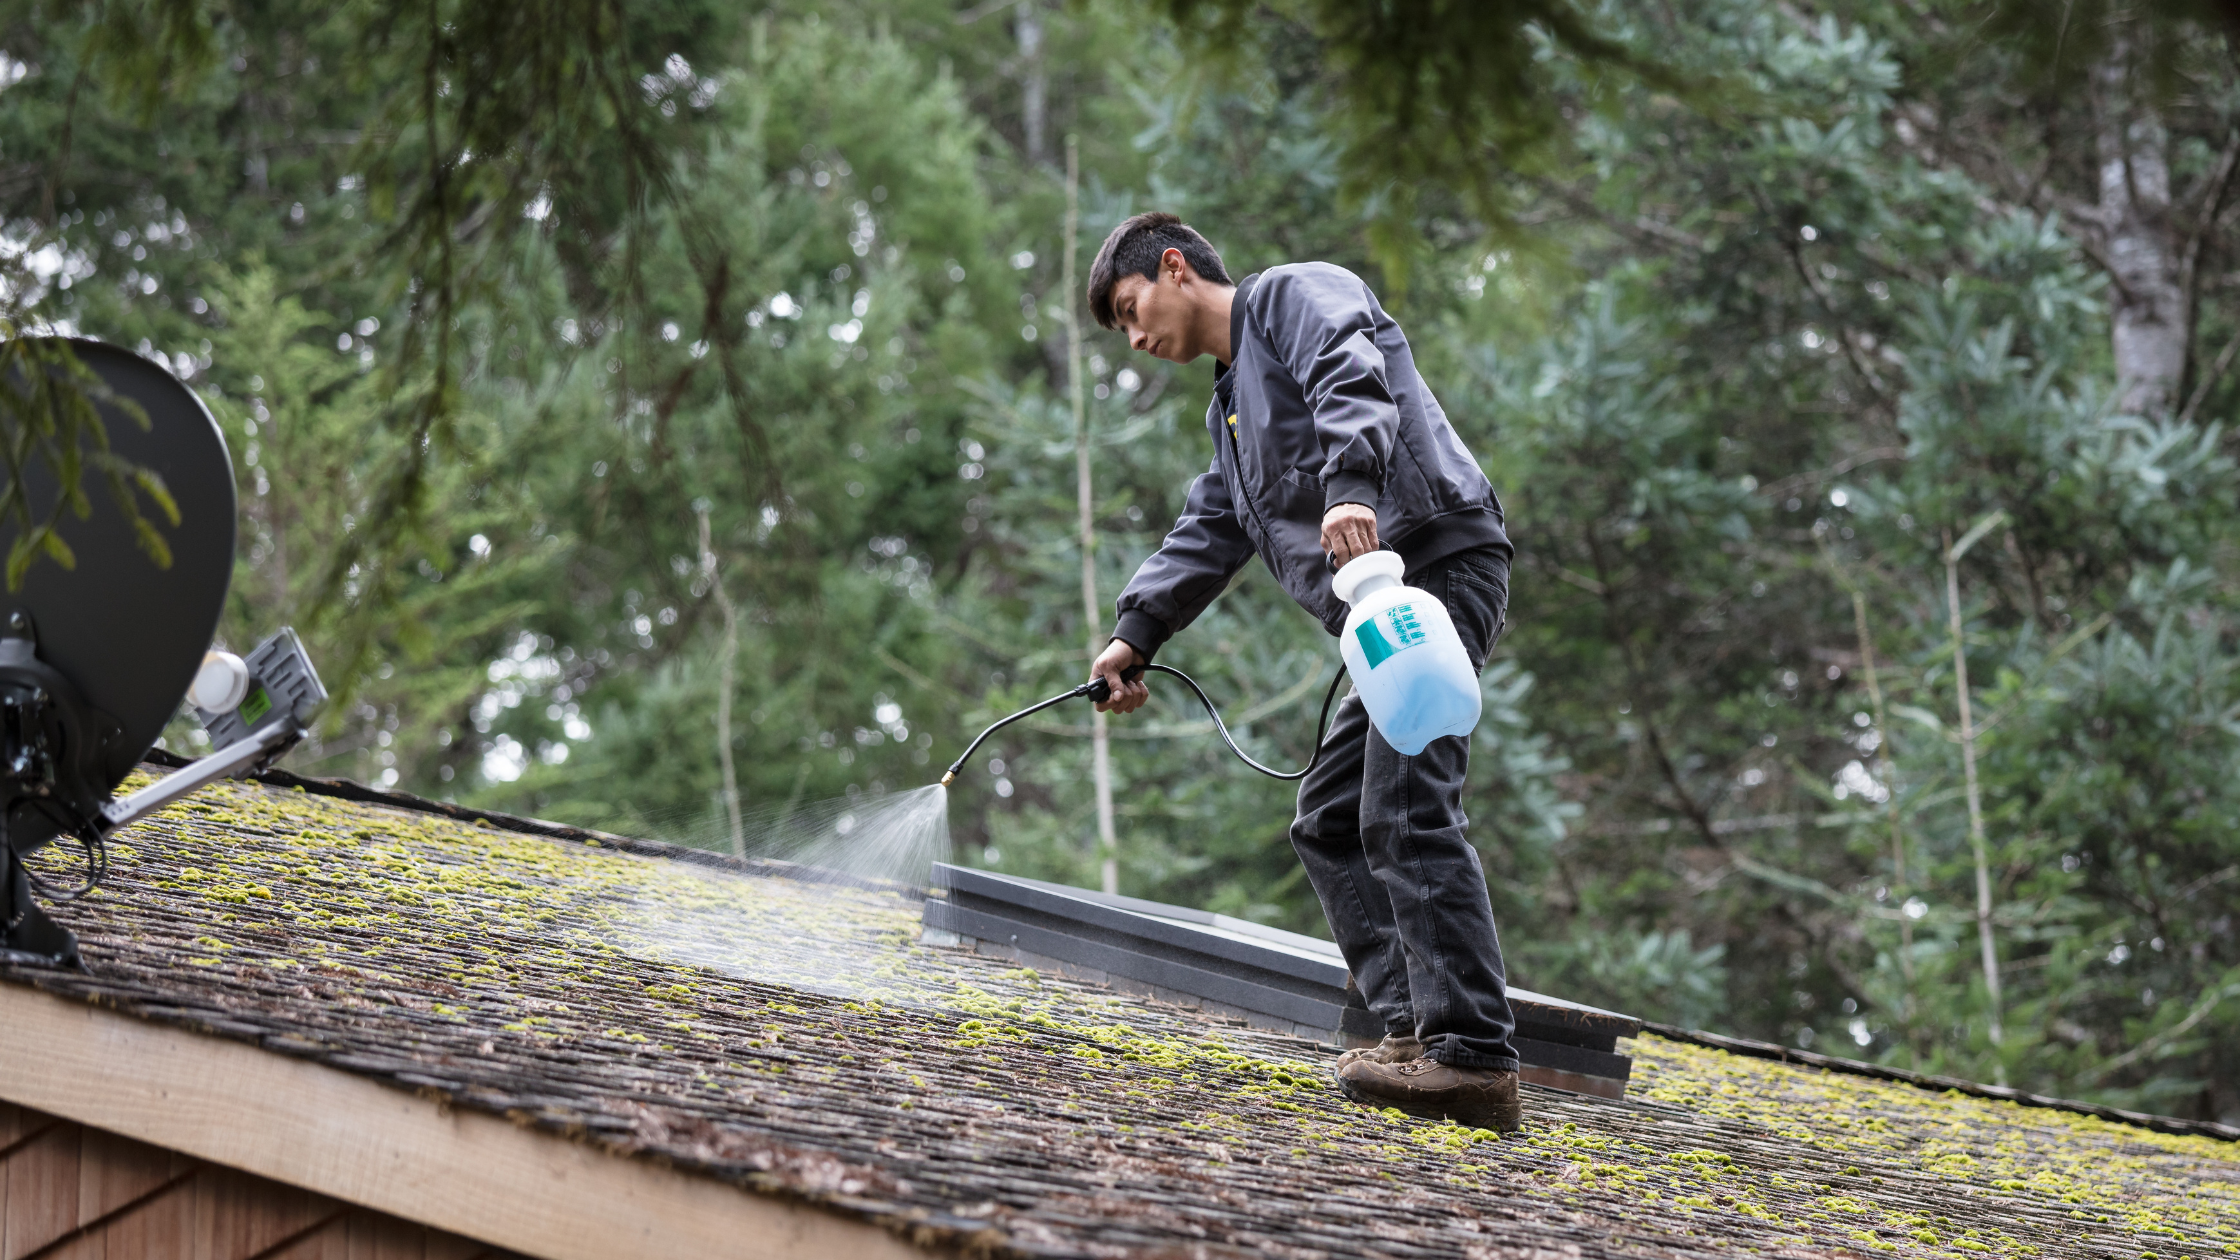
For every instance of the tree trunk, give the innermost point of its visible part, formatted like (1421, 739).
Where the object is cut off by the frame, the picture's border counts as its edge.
(726, 683)
(1986, 940)
(1092, 617)
(2144, 255)
(1034, 83)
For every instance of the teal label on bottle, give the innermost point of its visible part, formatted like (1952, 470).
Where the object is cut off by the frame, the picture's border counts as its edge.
(1388, 633)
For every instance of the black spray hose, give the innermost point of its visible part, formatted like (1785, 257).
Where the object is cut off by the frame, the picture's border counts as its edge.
(1097, 691)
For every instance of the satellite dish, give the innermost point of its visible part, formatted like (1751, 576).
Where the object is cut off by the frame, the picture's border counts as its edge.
(126, 633)
(95, 658)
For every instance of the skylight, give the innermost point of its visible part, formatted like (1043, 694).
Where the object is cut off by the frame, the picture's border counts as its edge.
(1265, 976)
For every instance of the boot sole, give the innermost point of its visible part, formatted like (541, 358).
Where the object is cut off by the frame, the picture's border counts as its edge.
(1501, 1118)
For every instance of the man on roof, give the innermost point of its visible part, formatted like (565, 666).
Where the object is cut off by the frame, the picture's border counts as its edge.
(1328, 445)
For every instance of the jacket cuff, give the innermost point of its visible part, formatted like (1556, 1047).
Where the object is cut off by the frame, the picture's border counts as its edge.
(1141, 631)
(1347, 486)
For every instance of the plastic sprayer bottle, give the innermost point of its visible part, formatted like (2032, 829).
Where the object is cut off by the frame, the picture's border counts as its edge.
(1405, 658)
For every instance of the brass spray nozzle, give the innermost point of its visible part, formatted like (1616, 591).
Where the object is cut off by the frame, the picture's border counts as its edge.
(948, 778)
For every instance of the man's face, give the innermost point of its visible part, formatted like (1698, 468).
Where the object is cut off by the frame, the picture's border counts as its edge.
(1157, 316)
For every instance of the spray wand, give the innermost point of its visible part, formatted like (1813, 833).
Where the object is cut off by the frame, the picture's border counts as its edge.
(1098, 690)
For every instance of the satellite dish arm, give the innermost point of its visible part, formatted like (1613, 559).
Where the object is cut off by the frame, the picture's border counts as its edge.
(235, 758)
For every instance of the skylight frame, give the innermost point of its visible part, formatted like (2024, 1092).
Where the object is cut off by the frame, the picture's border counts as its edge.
(1270, 978)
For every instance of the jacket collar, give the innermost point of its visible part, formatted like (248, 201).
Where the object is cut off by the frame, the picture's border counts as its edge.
(1236, 324)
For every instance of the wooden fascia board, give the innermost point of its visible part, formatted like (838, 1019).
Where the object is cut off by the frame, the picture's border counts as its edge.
(353, 1139)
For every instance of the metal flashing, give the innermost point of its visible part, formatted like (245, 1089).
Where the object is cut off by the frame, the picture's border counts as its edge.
(1265, 976)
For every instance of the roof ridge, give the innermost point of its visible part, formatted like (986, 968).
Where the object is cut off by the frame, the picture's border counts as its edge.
(352, 790)
(1976, 1089)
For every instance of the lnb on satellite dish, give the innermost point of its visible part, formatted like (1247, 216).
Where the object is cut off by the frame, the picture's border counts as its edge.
(88, 677)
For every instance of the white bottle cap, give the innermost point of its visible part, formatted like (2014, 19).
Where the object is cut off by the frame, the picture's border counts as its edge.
(221, 684)
(1356, 578)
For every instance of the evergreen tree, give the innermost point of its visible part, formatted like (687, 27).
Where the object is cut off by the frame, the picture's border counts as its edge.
(1815, 350)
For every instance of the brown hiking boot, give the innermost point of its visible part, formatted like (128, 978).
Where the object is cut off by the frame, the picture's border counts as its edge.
(1481, 1098)
(1397, 1047)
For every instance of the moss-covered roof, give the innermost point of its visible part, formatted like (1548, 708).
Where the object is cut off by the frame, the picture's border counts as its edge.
(793, 1038)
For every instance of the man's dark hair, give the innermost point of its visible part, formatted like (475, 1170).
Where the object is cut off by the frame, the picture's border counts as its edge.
(1134, 249)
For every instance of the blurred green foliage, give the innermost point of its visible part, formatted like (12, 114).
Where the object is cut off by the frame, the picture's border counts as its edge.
(1745, 308)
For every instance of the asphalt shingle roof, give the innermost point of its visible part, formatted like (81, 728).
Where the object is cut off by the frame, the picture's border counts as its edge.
(791, 1037)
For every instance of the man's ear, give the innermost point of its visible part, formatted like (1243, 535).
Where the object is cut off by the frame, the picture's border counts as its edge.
(1173, 266)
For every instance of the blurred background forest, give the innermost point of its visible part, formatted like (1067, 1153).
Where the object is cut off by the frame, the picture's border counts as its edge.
(1856, 376)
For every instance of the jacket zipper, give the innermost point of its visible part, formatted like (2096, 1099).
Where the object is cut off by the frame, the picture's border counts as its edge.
(1238, 489)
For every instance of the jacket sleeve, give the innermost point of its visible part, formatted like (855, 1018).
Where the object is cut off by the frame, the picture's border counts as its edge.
(1201, 553)
(1322, 324)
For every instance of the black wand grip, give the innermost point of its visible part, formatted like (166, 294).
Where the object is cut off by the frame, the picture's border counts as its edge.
(1100, 688)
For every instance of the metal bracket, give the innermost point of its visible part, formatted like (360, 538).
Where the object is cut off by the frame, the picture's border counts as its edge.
(27, 935)
(241, 757)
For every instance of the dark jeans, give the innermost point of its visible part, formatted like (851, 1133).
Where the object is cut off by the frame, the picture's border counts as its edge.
(1382, 838)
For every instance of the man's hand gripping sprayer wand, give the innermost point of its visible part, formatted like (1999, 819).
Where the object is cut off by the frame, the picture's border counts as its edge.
(1098, 690)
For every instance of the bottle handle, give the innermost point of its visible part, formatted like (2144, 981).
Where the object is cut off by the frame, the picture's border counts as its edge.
(1331, 557)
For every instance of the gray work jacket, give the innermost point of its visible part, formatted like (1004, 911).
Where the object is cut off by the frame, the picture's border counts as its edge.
(1320, 405)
